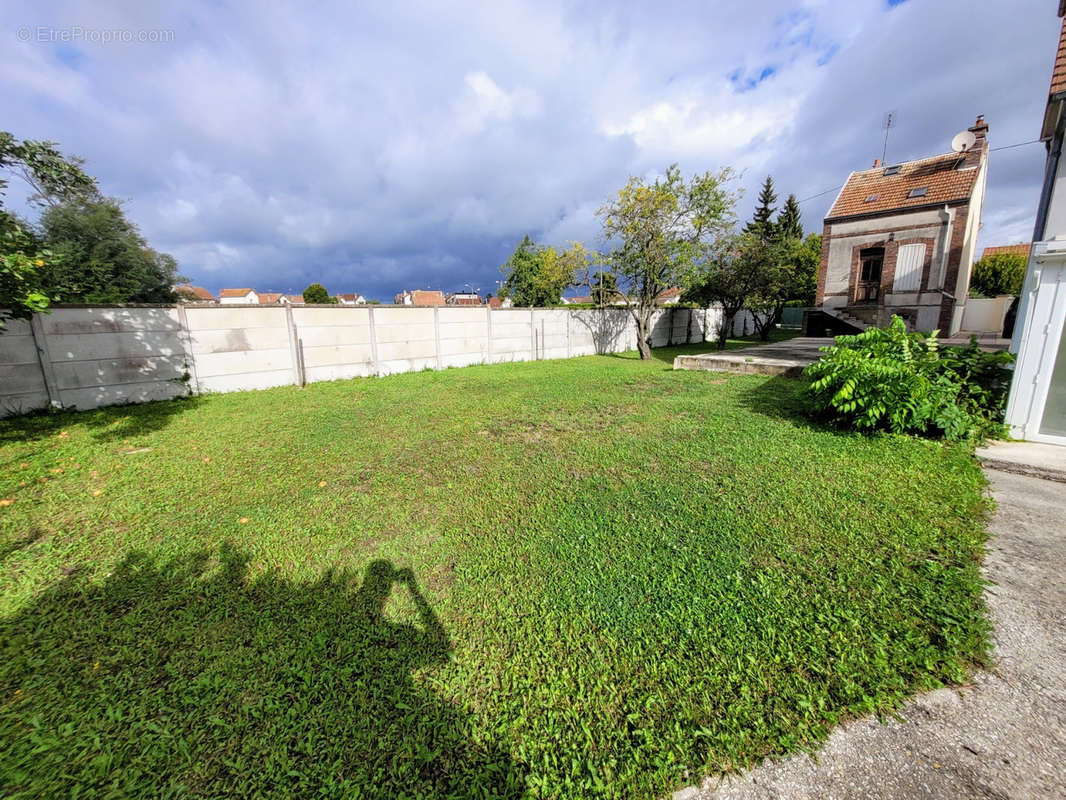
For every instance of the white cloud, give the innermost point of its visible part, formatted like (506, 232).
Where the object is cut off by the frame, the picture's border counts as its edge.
(390, 146)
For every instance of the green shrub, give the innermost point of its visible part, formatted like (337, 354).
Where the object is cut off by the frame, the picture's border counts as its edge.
(889, 379)
(998, 274)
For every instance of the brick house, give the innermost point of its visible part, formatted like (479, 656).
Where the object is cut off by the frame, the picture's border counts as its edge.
(901, 239)
(419, 297)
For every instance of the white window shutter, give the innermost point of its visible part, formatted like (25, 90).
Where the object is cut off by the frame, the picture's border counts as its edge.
(909, 261)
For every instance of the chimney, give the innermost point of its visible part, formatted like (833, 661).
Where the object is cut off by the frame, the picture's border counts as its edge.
(877, 162)
(978, 152)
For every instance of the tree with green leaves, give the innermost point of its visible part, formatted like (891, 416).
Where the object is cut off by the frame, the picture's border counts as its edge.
(316, 293)
(538, 275)
(762, 223)
(808, 256)
(604, 288)
(664, 233)
(998, 274)
(731, 278)
(24, 257)
(102, 256)
(789, 224)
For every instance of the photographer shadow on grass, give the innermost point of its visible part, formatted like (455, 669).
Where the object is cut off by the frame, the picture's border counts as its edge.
(190, 677)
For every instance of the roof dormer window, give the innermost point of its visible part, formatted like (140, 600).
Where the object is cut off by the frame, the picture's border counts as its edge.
(921, 191)
(871, 198)
(893, 170)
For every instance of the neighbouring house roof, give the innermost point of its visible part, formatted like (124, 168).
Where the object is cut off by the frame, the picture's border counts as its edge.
(1019, 249)
(350, 297)
(294, 298)
(421, 297)
(199, 292)
(268, 298)
(871, 191)
(1057, 91)
(1058, 74)
(495, 302)
(668, 294)
(234, 292)
(581, 298)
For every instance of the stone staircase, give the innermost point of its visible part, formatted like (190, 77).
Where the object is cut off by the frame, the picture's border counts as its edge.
(846, 318)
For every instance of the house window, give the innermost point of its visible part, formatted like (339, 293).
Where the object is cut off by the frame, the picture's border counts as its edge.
(871, 262)
(921, 191)
(894, 170)
(871, 198)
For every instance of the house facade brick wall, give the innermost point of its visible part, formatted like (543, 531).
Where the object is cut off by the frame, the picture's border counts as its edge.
(947, 229)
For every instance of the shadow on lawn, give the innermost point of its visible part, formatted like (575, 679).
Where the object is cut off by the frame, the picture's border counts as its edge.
(190, 678)
(782, 399)
(113, 423)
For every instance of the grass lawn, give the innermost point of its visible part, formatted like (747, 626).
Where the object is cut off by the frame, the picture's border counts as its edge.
(592, 577)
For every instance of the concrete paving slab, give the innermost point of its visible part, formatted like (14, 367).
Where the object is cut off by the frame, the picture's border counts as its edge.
(1004, 736)
(1026, 458)
(780, 358)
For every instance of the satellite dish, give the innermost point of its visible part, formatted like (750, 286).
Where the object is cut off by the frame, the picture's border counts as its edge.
(963, 141)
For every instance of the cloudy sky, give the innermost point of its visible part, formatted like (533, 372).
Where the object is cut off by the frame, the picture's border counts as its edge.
(411, 145)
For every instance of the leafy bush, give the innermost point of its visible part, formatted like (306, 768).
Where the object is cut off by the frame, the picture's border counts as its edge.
(998, 274)
(889, 379)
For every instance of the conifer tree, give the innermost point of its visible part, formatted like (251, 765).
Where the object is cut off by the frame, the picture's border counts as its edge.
(762, 223)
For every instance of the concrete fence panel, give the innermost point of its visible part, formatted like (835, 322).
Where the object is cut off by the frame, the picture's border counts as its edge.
(109, 356)
(239, 347)
(21, 378)
(333, 342)
(85, 357)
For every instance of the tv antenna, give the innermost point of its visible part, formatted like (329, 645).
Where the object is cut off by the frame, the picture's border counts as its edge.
(887, 123)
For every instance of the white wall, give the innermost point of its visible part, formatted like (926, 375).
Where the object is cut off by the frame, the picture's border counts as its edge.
(86, 357)
(986, 314)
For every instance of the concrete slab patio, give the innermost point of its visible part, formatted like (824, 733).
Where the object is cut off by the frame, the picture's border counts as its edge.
(786, 358)
(1004, 736)
(1025, 458)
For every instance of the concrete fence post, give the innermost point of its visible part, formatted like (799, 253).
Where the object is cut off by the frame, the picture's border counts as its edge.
(488, 334)
(569, 349)
(375, 365)
(44, 358)
(436, 335)
(294, 348)
(186, 339)
(532, 336)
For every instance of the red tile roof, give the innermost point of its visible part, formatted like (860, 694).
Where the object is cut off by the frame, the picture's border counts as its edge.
(1058, 74)
(668, 294)
(269, 298)
(495, 302)
(872, 192)
(1019, 249)
(198, 292)
(233, 292)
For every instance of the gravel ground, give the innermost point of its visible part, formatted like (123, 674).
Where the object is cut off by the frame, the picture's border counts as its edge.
(1004, 736)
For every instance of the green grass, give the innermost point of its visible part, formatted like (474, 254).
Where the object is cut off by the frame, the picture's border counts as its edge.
(592, 577)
